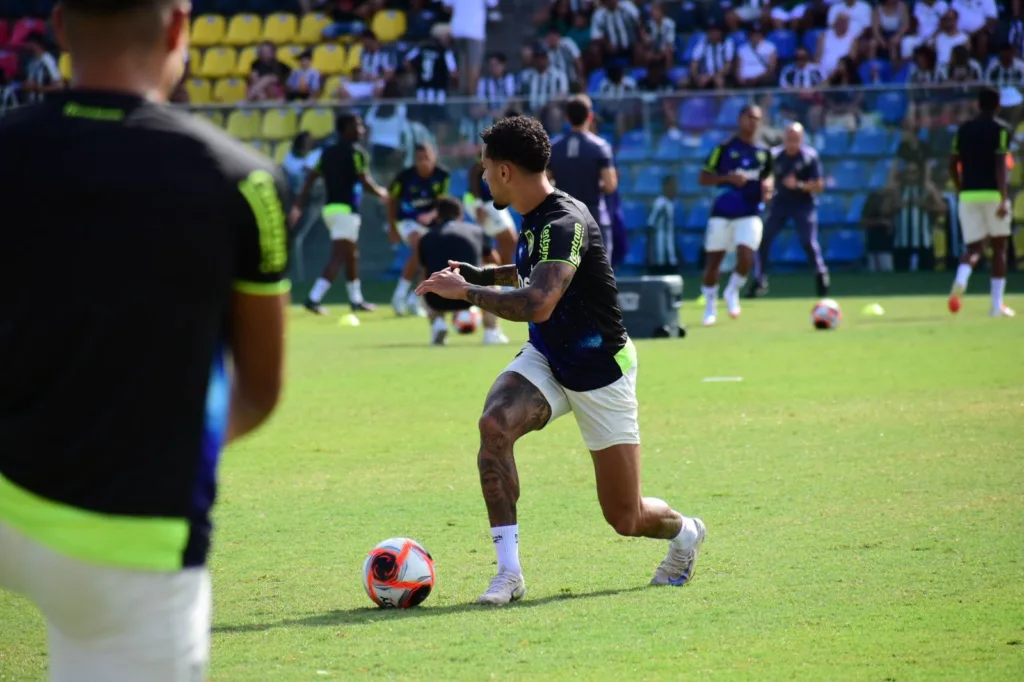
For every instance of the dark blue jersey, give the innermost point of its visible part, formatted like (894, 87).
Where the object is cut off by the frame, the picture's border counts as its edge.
(805, 166)
(416, 194)
(584, 337)
(755, 162)
(577, 160)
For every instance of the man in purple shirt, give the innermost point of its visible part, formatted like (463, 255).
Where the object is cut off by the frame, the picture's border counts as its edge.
(798, 178)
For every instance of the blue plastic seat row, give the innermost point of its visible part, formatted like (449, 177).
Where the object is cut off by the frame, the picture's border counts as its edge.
(839, 247)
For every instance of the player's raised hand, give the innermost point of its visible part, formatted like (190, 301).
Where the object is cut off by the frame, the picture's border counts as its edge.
(446, 284)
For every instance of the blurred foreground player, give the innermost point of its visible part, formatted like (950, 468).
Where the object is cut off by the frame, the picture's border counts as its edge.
(455, 240)
(114, 408)
(343, 166)
(978, 168)
(578, 359)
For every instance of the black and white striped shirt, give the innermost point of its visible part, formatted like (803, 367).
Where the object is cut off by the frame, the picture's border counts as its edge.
(661, 222)
(496, 91)
(434, 67)
(610, 90)
(1015, 36)
(374, 64)
(564, 56)
(539, 88)
(713, 57)
(807, 76)
(918, 76)
(913, 224)
(619, 26)
(1002, 76)
(663, 35)
(969, 73)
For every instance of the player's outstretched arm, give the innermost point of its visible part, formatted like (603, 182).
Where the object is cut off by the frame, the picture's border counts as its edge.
(533, 303)
(501, 276)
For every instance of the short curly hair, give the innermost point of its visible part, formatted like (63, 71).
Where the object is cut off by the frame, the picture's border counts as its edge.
(519, 140)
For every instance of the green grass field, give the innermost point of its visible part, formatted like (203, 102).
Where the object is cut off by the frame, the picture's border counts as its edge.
(863, 491)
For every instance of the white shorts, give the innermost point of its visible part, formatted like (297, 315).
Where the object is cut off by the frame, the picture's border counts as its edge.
(496, 221)
(109, 624)
(407, 228)
(605, 416)
(978, 220)
(343, 225)
(725, 234)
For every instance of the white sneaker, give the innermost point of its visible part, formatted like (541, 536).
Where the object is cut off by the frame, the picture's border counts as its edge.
(679, 566)
(398, 303)
(732, 302)
(494, 337)
(415, 306)
(505, 587)
(439, 332)
(710, 319)
(1003, 311)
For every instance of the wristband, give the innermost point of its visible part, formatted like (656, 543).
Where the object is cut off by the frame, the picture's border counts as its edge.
(487, 277)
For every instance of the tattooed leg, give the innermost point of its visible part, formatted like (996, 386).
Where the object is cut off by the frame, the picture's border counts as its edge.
(514, 407)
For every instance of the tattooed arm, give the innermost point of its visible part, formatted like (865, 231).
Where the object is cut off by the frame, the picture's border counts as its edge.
(502, 276)
(534, 303)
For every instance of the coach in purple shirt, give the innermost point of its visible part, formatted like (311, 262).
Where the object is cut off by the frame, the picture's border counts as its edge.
(798, 178)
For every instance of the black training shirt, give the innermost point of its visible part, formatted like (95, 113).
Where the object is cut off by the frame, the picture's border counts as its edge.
(978, 142)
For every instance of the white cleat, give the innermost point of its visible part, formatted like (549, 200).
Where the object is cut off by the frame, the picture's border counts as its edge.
(398, 303)
(1003, 311)
(494, 337)
(732, 303)
(710, 319)
(680, 565)
(505, 588)
(439, 332)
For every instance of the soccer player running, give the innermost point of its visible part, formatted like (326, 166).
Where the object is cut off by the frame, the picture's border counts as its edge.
(454, 239)
(578, 359)
(798, 178)
(115, 407)
(411, 209)
(343, 166)
(742, 170)
(582, 165)
(978, 168)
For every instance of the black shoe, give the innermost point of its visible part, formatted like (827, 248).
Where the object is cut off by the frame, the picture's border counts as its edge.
(363, 307)
(756, 289)
(822, 282)
(314, 308)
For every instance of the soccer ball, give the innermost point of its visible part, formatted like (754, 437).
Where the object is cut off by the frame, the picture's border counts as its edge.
(398, 573)
(466, 321)
(826, 314)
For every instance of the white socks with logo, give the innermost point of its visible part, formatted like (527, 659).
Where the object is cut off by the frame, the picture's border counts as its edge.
(319, 290)
(506, 544)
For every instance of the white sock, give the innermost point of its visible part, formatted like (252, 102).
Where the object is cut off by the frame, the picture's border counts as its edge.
(355, 291)
(998, 289)
(402, 290)
(414, 300)
(736, 282)
(710, 299)
(319, 290)
(963, 273)
(687, 535)
(506, 544)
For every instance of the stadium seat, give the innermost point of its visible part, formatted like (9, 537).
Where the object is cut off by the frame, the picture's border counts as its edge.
(244, 29)
(281, 150)
(879, 176)
(244, 124)
(689, 46)
(260, 146)
(279, 124)
(810, 40)
(212, 116)
(639, 73)
(280, 28)
(670, 148)
(65, 65)
(866, 67)
(459, 183)
(696, 113)
(856, 209)
(844, 246)
(636, 252)
(689, 178)
(229, 90)
(594, 81)
(785, 44)
(710, 140)
(836, 143)
(23, 28)
(311, 27)
(634, 214)
(208, 30)
(199, 91)
(831, 209)
(329, 59)
(9, 63)
(849, 175)
(892, 106)
(625, 177)
(246, 58)
(289, 55)
(388, 24)
(679, 213)
(634, 146)
(218, 62)
(317, 122)
(871, 142)
(195, 58)
(792, 252)
(331, 86)
(689, 245)
(729, 114)
(353, 58)
(697, 216)
(648, 181)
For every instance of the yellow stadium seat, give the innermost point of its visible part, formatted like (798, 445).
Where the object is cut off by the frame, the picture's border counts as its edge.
(199, 91)
(246, 58)
(244, 29)
(260, 146)
(244, 123)
(218, 62)
(317, 122)
(208, 30)
(211, 115)
(280, 28)
(354, 58)
(331, 86)
(281, 150)
(195, 59)
(289, 55)
(311, 28)
(279, 124)
(388, 24)
(229, 90)
(65, 65)
(329, 59)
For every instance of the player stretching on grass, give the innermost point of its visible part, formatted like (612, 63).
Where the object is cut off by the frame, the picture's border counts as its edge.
(578, 359)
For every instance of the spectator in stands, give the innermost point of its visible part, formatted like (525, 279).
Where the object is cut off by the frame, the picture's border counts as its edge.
(837, 43)
(924, 71)
(877, 220)
(961, 68)
(656, 84)
(889, 23)
(268, 75)
(916, 205)
(661, 229)
(498, 88)
(911, 40)
(564, 54)
(543, 87)
(661, 34)
(42, 75)
(842, 100)
(711, 66)
(375, 64)
(420, 18)
(386, 121)
(800, 81)
(294, 164)
(1015, 28)
(436, 71)
(858, 12)
(526, 58)
(1006, 71)
(349, 17)
(756, 60)
(616, 98)
(948, 37)
(469, 29)
(616, 26)
(560, 15)
(784, 14)
(303, 83)
(974, 16)
(580, 32)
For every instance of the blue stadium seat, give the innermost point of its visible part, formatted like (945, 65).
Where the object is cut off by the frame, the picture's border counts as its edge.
(636, 253)
(785, 44)
(793, 253)
(836, 143)
(677, 72)
(710, 140)
(892, 106)
(730, 112)
(679, 214)
(850, 175)
(634, 146)
(634, 214)
(398, 262)
(648, 181)
(884, 70)
(879, 177)
(856, 209)
(831, 209)
(697, 113)
(781, 244)
(687, 46)
(689, 246)
(670, 148)
(871, 142)
(594, 82)
(692, 149)
(697, 216)
(625, 176)
(639, 73)
(902, 74)
(810, 41)
(739, 38)
(844, 246)
(459, 182)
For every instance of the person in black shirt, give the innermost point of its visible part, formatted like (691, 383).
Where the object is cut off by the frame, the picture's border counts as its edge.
(578, 359)
(268, 75)
(436, 70)
(977, 166)
(344, 166)
(169, 344)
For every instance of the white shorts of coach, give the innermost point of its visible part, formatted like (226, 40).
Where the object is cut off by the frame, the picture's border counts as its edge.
(978, 220)
(496, 221)
(108, 624)
(407, 228)
(605, 416)
(725, 234)
(343, 226)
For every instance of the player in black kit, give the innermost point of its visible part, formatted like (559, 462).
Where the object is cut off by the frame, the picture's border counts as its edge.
(578, 359)
(343, 166)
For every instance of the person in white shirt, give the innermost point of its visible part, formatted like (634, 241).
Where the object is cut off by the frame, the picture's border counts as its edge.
(756, 60)
(387, 121)
(661, 34)
(838, 42)
(928, 14)
(975, 15)
(948, 37)
(469, 29)
(616, 98)
(616, 25)
(859, 13)
(890, 23)
(911, 40)
(1007, 74)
